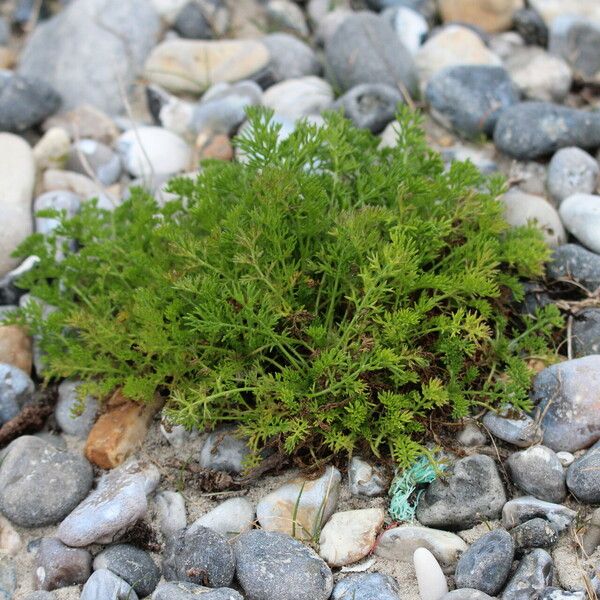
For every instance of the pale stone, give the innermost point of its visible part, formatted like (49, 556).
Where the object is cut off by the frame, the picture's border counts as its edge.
(350, 535)
(52, 150)
(194, 65)
(85, 121)
(230, 518)
(430, 577)
(580, 214)
(10, 540)
(550, 9)
(490, 15)
(295, 98)
(170, 510)
(80, 185)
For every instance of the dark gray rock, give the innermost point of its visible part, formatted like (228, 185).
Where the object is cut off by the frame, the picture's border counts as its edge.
(469, 98)
(105, 585)
(223, 451)
(535, 129)
(16, 390)
(201, 556)
(583, 476)
(370, 105)
(531, 27)
(576, 263)
(525, 508)
(513, 427)
(535, 533)
(586, 332)
(183, 590)
(133, 565)
(532, 577)
(367, 586)
(539, 472)
(25, 101)
(568, 396)
(365, 49)
(40, 484)
(295, 571)
(195, 20)
(486, 564)
(470, 491)
(59, 566)
(571, 171)
(290, 58)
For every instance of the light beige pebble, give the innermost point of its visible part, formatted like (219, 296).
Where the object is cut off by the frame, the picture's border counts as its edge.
(52, 150)
(430, 577)
(490, 15)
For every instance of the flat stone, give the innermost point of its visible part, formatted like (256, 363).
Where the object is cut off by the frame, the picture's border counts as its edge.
(367, 586)
(104, 584)
(471, 491)
(533, 576)
(116, 504)
(568, 396)
(400, 543)
(513, 427)
(490, 15)
(302, 506)
(572, 171)
(290, 58)
(580, 214)
(486, 564)
(586, 332)
(576, 263)
(430, 578)
(230, 518)
(583, 476)
(299, 97)
(183, 590)
(59, 566)
(349, 536)
(170, 509)
(535, 533)
(275, 566)
(366, 479)
(522, 509)
(40, 484)
(223, 451)
(74, 416)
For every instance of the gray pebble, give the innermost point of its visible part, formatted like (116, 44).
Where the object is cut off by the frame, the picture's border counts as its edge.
(536, 533)
(290, 58)
(68, 416)
(466, 594)
(554, 593)
(571, 171)
(522, 509)
(531, 27)
(16, 390)
(367, 586)
(586, 332)
(183, 590)
(532, 577)
(583, 476)
(105, 585)
(90, 155)
(59, 566)
(223, 451)
(366, 479)
(471, 436)
(576, 263)
(513, 427)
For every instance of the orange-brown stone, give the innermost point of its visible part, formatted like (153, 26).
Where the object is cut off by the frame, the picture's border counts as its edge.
(15, 347)
(217, 147)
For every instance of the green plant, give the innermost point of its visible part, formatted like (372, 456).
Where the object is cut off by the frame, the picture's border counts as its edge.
(326, 295)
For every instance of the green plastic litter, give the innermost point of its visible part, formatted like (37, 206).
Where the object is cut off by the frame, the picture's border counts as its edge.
(404, 488)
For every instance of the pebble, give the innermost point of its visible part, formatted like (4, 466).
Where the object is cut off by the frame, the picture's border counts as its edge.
(10, 540)
(550, 9)
(370, 105)
(40, 484)
(300, 97)
(290, 58)
(586, 332)
(88, 156)
(469, 98)
(591, 536)
(466, 594)
(230, 518)
(453, 45)
(116, 504)
(480, 157)
(536, 129)
(59, 180)
(170, 509)
(133, 565)
(471, 436)
(365, 49)
(430, 577)
(367, 586)
(327, 26)
(535, 533)
(490, 15)
(470, 492)
(400, 543)
(84, 121)
(55, 200)
(66, 413)
(284, 14)
(8, 577)
(410, 27)
(575, 263)
(533, 575)
(504, 44)
(514, 427)
(349, 536)
(566, 458)
(522, 509)
(192, 66)
(366, 479)
(223, 451)
(58, 566)
(199, 555)
(25, 101)
(16, 391)
(538, 74)
(52, 149)
(105, 585)
(538, 471)
(202, 20)
(302, 506)
(91, 50)
(530, 25)
(553, 593)
(580, 214)
(183, 590)
(568, 396)
(275, 566)
(572, 171)
(486, 564)
(17, 178)
(583, 476)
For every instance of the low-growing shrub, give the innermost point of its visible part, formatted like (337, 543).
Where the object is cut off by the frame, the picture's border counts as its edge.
(325, 295)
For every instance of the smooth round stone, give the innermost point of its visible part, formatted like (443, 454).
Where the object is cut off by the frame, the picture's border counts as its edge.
(410, 27)
(580, 214)
(40, 484)
(550, 9)
(223, 451)
(480, 157)
(530, 25)
(104, 585)
(586, 332)
(576, 263)
(365, 49)
(290, 58)
(58, 566)
(202, 20)
(427, 8)
(327, 26)
(170, 509)
(230, 518)
(284, 14)
(17, 178)
(572, 171)
(535, 129)
(199, 555)
(370, 105)
(56, 200)
(275, 566)
(430, 577)
(183, 590)
(466, 594)
(469, 98)
(525, 508)
(522, 209)
(583, 476)
(367, 586)
(537, 471)
(148, 151)
(24, 101)
(538, 74)
(16, 391)
(568, 396)
(90, 155)
(566, 458)
(490, 15)
(453, 45)
(366, 479)
(131, 564)
(471, 436)
(533, 575)
(52, 149)
(194, 65)
(67, 414)
(295, 98)
(486, 564)
(470, 492)
(535, 533)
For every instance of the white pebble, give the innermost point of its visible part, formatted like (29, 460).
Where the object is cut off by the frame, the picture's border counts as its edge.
(566, 458)
(430, 577)
(170, 509)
